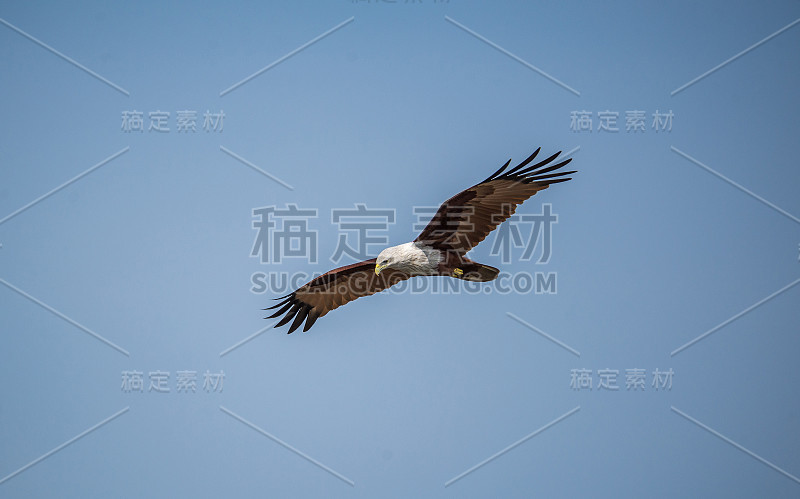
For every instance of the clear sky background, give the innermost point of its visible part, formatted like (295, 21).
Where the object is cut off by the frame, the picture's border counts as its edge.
(399, 395)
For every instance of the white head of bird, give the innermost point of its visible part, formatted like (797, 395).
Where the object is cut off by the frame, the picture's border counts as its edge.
(411, 258)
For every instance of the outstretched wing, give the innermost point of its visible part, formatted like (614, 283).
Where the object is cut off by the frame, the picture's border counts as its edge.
(331, 290)
(467, 218)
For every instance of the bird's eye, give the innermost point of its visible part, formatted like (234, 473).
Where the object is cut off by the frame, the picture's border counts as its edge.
(384, 262)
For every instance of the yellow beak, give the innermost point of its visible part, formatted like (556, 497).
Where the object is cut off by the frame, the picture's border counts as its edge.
(378, 268)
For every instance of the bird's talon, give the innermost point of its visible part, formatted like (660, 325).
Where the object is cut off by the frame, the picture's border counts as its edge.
(458, 273)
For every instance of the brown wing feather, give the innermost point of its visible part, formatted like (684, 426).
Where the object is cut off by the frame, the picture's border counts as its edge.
(332, 290)
(467, 218)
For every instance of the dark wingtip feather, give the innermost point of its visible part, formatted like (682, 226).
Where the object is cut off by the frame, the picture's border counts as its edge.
(554, 181)
(544, 161)
(534, 170)
(499, 171)
(313, 315)
(299, 318)
(527, 174)
(522, 165)
(286, 306)
(537, 178)
(290, 314)
(279, 304)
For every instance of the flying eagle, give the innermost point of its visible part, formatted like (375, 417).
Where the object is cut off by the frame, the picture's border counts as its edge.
(459, 225)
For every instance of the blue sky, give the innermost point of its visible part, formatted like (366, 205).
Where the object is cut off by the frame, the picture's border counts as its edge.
(144, 263)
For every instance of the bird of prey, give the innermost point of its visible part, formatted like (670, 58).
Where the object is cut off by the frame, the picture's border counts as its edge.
(459, 224)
